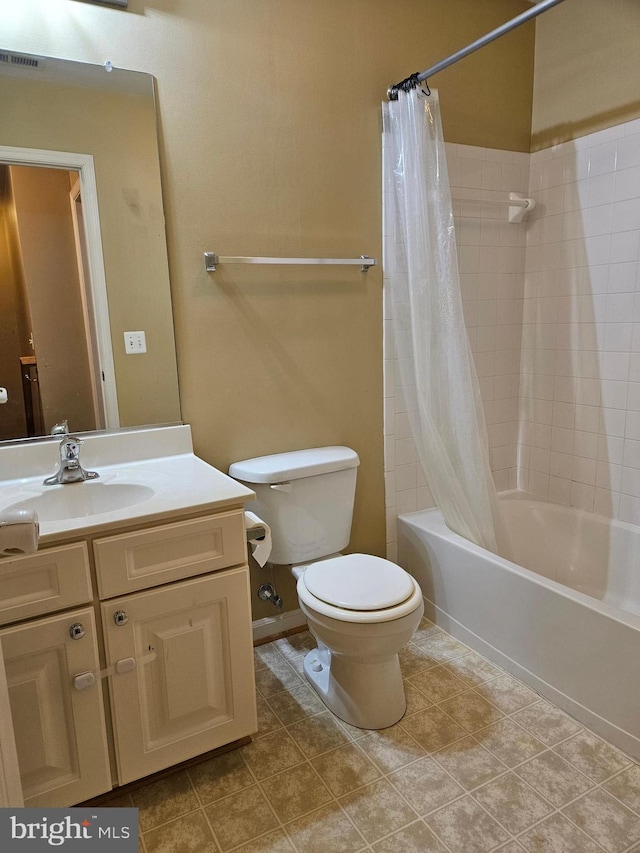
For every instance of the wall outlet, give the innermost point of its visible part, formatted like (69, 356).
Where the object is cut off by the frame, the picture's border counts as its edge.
(134, 343)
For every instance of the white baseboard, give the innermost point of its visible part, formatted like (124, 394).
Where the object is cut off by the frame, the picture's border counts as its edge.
(271, 626)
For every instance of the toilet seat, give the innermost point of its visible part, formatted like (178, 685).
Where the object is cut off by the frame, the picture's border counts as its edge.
(359, 582)
(359, 588)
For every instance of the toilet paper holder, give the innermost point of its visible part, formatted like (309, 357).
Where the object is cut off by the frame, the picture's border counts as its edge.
(258, 535)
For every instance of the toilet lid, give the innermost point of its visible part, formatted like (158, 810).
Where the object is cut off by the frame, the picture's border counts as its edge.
(359, 582)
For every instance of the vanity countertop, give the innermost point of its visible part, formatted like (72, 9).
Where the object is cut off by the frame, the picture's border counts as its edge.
(128, 492)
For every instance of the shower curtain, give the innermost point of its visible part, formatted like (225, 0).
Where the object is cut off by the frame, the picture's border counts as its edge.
(437, 372)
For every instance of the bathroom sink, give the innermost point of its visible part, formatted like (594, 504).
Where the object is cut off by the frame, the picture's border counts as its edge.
(146, 474)
(78, 500)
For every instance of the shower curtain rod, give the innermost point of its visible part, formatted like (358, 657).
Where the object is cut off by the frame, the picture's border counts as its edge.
(410, 82)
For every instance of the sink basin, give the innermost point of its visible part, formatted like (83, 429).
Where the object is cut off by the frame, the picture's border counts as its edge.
(79, 500)
(146, 474)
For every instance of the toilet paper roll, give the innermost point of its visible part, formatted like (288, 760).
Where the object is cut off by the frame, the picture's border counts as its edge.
(258, 537)
(19, 532)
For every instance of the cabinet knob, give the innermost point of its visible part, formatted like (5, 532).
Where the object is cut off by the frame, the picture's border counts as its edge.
(120, 617)
(77, 631)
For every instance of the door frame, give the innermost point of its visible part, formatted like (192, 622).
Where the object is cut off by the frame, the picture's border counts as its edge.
(83, 164)
(88, 310)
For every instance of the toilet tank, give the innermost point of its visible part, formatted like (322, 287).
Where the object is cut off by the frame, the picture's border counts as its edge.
(306, 497)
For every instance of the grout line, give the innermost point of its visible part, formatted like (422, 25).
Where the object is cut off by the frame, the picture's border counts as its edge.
(558, 812)
(171, 820)
(386, 776)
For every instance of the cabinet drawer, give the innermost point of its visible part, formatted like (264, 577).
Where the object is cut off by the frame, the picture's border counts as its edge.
(147, 558)
(40, 583)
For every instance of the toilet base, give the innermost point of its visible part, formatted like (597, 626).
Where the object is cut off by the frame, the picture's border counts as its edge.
(368, 696)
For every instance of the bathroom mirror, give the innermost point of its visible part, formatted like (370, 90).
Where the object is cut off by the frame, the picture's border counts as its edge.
(83, 259)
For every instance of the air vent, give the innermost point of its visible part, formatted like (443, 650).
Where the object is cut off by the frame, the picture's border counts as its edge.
(25, 61)
(20, 60)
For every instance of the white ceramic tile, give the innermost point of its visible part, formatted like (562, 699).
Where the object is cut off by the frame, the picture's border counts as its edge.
(587, 418)
(602, 158)
(631, 453)
(623, 276)
(612, 422)
(632, 427)
(560, 489)
(562, 440)
(538, 483)
(614, 394)
(627, 184)
(628, 152)
(629, 509)
(606, 503)
(625, 246)
(617, 337)
(585, 444)
(615, 365)
(595, 250)
(553, 173)
(611, 448)
(584, 470)
(407, 501)
(609, 476)
(626, 215)
(560, 465)
(601, 189)
(582, 496)
(406, 477)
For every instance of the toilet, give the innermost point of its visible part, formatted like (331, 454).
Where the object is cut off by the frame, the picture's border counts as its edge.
(361, 609)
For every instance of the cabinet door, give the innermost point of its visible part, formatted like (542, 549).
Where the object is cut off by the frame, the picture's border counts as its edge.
(59, 729)
(198, 692)
(10, 787)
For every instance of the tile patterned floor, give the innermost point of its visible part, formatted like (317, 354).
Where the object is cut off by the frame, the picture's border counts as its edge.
(479, 763)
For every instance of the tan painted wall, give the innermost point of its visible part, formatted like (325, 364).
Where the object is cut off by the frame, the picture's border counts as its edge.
(587, 69)
(270, 145)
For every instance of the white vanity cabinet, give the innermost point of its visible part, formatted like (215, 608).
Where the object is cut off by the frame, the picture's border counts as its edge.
(166, 625)
(151, 560)
(57, 708)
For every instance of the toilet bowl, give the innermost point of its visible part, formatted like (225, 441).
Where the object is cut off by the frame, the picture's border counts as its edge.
(356, 670)
(361, 609)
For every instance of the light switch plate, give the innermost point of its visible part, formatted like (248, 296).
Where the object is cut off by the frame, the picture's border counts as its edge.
(134, 343)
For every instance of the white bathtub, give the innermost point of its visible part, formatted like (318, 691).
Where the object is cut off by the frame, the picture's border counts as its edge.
(568, 624)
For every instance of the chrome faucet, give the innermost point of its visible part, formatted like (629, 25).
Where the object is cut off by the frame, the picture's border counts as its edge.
(70, 471)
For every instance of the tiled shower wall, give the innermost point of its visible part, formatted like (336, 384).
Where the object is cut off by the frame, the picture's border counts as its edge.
(580, 372)
(491, 254)
(555, 328)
